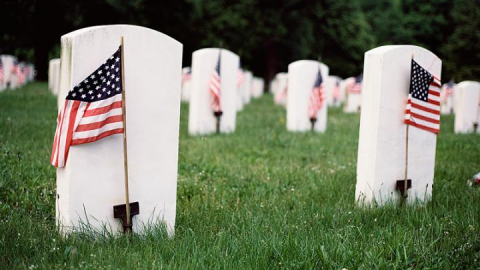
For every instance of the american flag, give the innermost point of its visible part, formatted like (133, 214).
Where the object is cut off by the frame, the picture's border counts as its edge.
(283, 94)
(92, 110)
(16, 71)
(317, 96)
(423, 105)
(215, 86)
(21, 75)
(1, 71)
(240, 75)
(356, 87)
(186, 75)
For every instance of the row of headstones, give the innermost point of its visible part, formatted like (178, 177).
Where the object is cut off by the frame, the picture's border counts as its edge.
(92, 180)
(463, 100)
(14, 74)
(54, 76)
(247, 85)
(293, 90)
(237, 88)
(338, 91)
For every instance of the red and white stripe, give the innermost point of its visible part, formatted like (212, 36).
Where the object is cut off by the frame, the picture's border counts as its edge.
(1, 71)
(240, 77)
(316, 101)
(355, 88)
(425, 114)
(336, 91)
(215, 87)
(448, 92)
(186, 77)
(83, 122)
(283, 95)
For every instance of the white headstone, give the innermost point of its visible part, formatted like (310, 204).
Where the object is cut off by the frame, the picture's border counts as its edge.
(447, 97)
(468, 110)
(301, 79)
(240, 89)
(382, 140)
(281, 93)
(353, 101)
(201, 119)
(258, 85)
(272, 86)
(54, 79)
(92, 181)
(9, 80)
(32, 72)
(56, 83)
(333, 93)
(247, 90)
(186, 83)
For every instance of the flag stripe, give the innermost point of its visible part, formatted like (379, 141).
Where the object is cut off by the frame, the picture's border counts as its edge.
(102, 110)
(97, 125)
(100, 117)
(96, 138)
(97, 132)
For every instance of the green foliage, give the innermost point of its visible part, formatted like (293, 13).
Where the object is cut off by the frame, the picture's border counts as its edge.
(267, 34)
(461, 49)
(260, 198)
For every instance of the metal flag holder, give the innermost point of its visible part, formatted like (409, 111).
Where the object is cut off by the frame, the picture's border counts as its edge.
(218, 116)
(313, 120)
(126, 211)
(475, 124)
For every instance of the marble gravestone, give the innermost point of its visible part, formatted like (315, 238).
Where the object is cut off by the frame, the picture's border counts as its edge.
(353, 101)
(273, 85)
(8, 76)
(186, 83)
(50, 75)
(382, 139)
(332, 89)
(31, 76)
(201, 119)
(301, 79)
(247, 90)
(92, 181)
(257, 89)
(54, 80)
(447, 99)
(467, 116)
(281, 92)
(240, 89)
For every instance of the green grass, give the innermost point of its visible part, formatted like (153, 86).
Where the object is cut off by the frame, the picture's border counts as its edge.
(258, 198)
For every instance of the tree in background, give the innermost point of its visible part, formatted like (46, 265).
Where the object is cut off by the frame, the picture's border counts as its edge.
(267, 34)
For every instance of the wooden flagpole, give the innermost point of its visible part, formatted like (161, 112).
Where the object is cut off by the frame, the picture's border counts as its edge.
(405, 184)
(125, 156)
(406, 164)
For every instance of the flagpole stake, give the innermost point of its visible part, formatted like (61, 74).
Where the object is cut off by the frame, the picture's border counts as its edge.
(313, 120)
(218, 116)
(125, 212)
(405, 184)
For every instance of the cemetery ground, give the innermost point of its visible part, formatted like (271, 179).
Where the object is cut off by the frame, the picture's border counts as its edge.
(258, 198)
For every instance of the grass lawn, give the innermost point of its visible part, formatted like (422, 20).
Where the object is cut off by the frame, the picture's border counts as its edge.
(259, 198)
